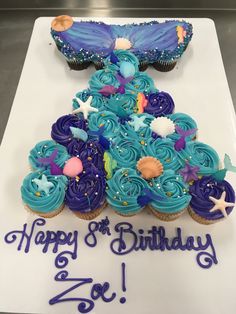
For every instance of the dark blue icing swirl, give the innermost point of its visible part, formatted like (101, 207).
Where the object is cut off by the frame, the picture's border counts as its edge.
(86, 192)
(62, 134)
(91, 154)
(205, 187)
(160, 104)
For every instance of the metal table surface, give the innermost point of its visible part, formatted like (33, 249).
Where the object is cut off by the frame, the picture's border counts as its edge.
(16, 27)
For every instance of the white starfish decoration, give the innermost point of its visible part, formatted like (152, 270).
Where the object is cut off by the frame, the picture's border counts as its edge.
(43, 184)
(85, 107)
(220, 204)
(138, 122)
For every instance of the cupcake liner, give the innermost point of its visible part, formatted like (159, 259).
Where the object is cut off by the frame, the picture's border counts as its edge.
(127, 215)
(99, 65)
(143, 66)
(46, 215)
(163, 66)
(200, 219)
(90, 215)
(74, 65)
(165, 217)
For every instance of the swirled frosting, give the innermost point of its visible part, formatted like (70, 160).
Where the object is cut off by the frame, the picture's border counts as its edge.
(44, 149)
(91, 155)
(126, 151)
(205, 187)
(143, 133)
(40, 201)
(159, 104)
(106, 118)
(142, 83)
(201, 155)
(122, 55)
(86, 192)
(61, 131)
(185, 122)
(163, 149)
(127, 101)
(174, 193)
(101, 78)
(98, 100)
(123, 190)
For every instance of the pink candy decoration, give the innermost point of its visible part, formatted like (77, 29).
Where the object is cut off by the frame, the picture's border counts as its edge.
(73, 167)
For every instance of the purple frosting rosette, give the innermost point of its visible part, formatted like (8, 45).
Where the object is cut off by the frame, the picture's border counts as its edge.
(159, 104)
(62, 134)
(86, 192)
(205, 187)
(91, 154)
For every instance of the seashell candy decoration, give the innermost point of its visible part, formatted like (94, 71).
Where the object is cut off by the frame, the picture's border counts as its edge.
(149, 167)
(162, 126)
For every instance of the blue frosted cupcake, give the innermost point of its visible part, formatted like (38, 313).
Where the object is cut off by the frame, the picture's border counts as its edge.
(175, 196)
(123, 191)
(43, 194)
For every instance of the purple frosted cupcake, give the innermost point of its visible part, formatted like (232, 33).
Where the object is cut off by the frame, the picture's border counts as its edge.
(85, 195)
(70, 131)
(212, 200)
(159, 104)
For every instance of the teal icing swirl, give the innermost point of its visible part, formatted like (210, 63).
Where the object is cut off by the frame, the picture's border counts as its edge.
(106, 118)
(43, 203)
(201, 155)
(127, 101)
(126, 151)
(185, 122)
(123, 190)
(143, 133)
(122, 55)
(102, 78)
(174, 192)
(141, 83)
(98, 100)
(44, 149)
(163, 149)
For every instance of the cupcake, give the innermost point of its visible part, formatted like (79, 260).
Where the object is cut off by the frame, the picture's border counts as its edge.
(186, 123)
(159, 104)
(91, 154)
(85, 194)
(174, 196)
(47, 154)
(70, 131)
(43, 193)
(141, 82)
(212, 200)
(201, 155)
(98, 101)
(123, 191)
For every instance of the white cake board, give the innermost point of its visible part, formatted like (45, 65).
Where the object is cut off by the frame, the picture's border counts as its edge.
(164, 282)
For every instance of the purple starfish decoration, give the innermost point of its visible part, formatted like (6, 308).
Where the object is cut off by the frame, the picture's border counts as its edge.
(180, 143)
(54, 168)
(189, 172)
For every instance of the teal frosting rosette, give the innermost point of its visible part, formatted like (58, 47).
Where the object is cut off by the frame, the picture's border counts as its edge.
(185, 122)
(44, 149)
(201, 155)
(142, 83)
(102, 78)
(138, 127)
(98, 101)
(173, 192)
(127, 101)
(107, 119)
(123, 190)
(163, 149)
(122, 55)
(125, 151)
(44, 193)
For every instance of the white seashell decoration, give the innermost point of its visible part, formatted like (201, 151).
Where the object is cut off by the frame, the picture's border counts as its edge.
(163, 126)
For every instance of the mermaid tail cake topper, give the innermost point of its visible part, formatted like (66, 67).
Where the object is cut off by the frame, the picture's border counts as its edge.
(180, 143)
(220, 174)
(50, 161)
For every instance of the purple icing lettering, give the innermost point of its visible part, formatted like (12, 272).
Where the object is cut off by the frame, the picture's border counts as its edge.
(102, 227)
(47, 239)
(123, 284)
(128, 241)
(99, 290)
